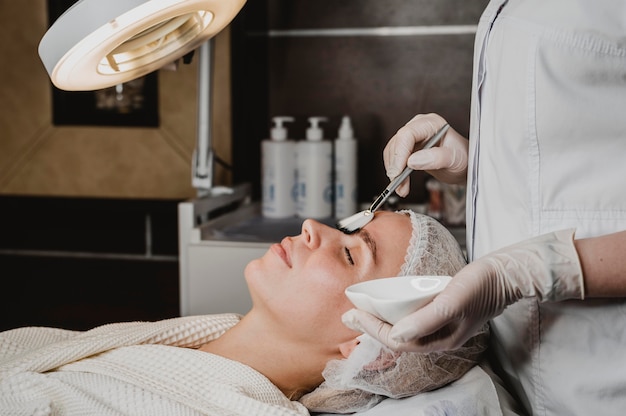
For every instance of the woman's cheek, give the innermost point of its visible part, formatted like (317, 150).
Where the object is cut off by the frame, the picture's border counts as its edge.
(327, 297)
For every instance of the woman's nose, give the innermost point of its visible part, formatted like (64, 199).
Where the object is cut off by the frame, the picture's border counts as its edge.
(312, 233)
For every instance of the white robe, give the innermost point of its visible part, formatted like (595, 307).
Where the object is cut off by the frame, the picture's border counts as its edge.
(136, 368)
(547, 152)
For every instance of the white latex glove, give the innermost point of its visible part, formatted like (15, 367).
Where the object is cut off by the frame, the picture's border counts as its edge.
(545, 267)
(446, 162)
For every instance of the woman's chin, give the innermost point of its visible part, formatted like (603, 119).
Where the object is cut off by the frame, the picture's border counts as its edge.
(250, 270)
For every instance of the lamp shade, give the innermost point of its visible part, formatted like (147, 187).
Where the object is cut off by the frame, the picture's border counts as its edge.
(100, 43)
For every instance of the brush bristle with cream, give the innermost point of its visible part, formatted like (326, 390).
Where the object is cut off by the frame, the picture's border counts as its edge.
(355, 222)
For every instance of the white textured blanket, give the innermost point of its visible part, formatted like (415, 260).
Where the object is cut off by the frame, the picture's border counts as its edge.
(133, 368)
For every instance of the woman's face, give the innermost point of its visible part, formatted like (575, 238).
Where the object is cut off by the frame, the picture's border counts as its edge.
(299, 284)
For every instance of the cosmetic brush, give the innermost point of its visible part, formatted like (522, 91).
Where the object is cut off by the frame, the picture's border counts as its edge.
(359, 220)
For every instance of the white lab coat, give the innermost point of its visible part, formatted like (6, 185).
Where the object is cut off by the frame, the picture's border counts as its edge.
(548, 152)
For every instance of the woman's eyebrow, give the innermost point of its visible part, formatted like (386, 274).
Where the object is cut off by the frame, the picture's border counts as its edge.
(367, 237)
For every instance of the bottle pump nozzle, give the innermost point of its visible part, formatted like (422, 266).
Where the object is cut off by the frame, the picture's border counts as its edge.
(345, 129)
(315, 132)
(279, 132)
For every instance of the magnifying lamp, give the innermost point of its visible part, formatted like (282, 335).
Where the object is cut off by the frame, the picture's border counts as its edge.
(97, 44)
(101, 43)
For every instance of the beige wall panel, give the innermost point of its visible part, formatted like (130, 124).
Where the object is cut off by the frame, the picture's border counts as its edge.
(37, 158)
(24, 90)
(222, 122)
(103, 162)
(178, 95)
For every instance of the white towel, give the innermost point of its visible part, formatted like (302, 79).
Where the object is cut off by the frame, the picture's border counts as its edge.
(135, 368)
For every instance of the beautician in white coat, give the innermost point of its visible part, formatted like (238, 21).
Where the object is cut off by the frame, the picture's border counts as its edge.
(546, 159)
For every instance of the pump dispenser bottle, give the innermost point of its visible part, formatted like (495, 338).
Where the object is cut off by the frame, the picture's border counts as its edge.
(278, 168)
(314, 172)
(345, 170)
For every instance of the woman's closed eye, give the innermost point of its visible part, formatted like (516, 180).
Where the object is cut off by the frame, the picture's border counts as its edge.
(348, 256)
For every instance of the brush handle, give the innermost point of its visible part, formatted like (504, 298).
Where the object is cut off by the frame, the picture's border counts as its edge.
(390, 188)
(393, 185)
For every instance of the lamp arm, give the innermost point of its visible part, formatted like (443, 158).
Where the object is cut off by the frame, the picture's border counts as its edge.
(202, 169)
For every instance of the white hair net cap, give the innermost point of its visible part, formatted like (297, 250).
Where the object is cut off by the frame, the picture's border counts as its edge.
(373, 372)
(432, 250)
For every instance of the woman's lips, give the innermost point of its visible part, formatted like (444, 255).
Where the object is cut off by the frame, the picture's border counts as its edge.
(281, 250)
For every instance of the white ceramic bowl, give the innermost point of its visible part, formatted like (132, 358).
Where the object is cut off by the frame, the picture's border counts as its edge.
(393, 298)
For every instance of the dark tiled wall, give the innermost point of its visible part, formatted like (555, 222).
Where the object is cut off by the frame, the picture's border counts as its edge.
(380, 81)
(299, 14)
(89, 225)
(77, 262)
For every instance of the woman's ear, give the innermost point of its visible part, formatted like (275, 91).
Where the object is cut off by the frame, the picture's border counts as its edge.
(385, 360)
(347, 347)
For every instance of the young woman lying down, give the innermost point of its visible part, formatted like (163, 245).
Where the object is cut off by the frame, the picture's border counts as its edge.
(289, 355)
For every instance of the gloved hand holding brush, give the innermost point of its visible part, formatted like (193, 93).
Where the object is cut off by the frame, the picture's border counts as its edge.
(446, 162)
